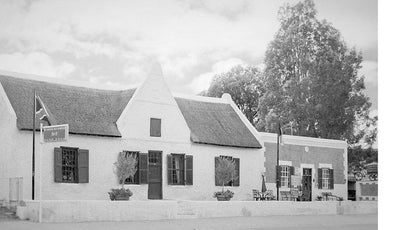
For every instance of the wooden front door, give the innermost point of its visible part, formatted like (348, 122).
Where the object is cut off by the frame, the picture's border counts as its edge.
(155, 175)
(307, 184)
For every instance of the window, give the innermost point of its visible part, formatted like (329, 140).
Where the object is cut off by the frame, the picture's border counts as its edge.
(284, 178)
(71, 165)
(140, 177)
(325, 178)
(155, 127)
(283, 175)
(180, 169)
(235, 181)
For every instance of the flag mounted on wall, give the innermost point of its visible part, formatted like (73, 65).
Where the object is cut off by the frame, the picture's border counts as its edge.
(41, 111)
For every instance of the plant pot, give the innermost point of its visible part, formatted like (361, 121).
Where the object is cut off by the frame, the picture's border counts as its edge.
(223, 198)
(122, 197)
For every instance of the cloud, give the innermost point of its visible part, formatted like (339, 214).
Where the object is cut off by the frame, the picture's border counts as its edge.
(203, 81)
(35, 63)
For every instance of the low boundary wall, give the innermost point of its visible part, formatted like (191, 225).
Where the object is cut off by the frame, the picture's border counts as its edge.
(83, 211)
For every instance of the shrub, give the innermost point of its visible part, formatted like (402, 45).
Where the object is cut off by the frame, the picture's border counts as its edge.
(125, 167)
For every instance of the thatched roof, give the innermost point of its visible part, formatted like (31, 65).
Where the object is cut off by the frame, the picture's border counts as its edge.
(87, 111)
(95, 112)
(216, 124)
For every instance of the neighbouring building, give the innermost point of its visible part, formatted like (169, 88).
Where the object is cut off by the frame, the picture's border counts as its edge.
(176, 140)
(316, 166)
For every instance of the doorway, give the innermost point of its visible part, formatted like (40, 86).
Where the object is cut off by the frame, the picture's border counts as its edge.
(155, 175)
(307, 184)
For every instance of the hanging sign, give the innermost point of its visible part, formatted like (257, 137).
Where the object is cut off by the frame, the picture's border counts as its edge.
(55, 133)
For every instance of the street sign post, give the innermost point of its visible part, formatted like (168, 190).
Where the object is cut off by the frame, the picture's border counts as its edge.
(55, 133)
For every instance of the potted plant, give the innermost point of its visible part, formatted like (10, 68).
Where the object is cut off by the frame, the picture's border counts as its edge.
(125, 167)
(224, 173)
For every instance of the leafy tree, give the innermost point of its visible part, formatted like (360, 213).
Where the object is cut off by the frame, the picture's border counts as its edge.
(358, 157)
(125, 167)
(245, 86)
(225, 171)
(311, 79)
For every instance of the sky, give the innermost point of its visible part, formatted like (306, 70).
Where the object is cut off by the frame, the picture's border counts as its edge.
(117, 43)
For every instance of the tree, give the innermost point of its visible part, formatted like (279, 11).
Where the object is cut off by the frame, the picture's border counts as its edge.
(311, 79)
(125, 167)
(225, 171)
(245, 86)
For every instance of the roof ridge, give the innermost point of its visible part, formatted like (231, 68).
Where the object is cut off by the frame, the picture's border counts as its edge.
(73, 84)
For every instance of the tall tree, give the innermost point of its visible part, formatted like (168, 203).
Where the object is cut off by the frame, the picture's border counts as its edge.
(245, 85)
(311, 78)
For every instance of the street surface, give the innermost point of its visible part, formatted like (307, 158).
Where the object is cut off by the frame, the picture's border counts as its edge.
(321, 222)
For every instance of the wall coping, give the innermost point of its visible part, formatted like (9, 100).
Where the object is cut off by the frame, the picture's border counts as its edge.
(304, 141)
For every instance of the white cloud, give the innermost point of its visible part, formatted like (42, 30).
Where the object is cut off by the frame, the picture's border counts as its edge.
(35, 63)
(203, 81)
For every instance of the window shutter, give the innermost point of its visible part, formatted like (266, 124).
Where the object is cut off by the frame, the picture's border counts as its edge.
(278, 174)
(143, 167)
(57, 152)
(319, 178)
(217, 183)
(170, 175)
(331, 179)
(236, 182)
(189, 162)
(83, 163)
(155, 127)
(291, 172)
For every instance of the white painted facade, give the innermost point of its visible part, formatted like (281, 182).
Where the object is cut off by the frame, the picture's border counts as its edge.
(152, 99)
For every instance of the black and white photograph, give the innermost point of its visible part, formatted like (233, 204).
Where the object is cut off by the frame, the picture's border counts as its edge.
(191, 114)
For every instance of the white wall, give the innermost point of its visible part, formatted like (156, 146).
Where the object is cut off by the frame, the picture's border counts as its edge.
(81, 211)
(15, 153)
(103, 153)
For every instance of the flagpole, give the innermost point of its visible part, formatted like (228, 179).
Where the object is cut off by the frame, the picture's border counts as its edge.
(33, 145)
(277, 162)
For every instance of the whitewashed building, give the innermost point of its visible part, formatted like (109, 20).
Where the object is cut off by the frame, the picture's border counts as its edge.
(176, 138)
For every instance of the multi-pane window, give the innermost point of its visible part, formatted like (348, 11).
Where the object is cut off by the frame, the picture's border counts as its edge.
(284, 176)
(178, 169)
(325, 178)
(70, 165)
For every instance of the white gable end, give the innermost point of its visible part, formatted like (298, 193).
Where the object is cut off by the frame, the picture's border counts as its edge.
(153, 99)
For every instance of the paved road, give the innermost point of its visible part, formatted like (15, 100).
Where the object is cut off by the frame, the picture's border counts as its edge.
(343, 222)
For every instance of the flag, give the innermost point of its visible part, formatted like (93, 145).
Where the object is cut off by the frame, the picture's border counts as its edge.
(41, 111)
(263, 185)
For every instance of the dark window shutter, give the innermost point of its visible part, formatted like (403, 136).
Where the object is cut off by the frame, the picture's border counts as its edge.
(143, 167)
(319, 178)
(155, 127)
(331, 179)
(291, 172)
(57, 152)
(217, 159)
(236, 181)
(170, 174)
(278, 174)
(83, 163)
(189, 164)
